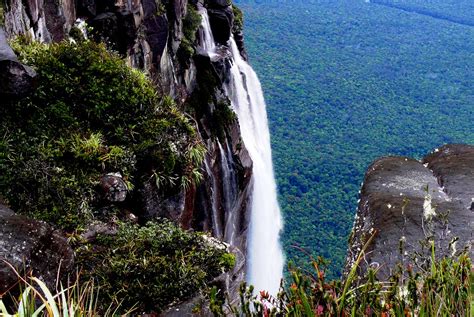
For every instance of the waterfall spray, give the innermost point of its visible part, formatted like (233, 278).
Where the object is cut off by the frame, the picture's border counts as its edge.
(265, 256)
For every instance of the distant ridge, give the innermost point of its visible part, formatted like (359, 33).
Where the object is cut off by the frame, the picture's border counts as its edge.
(426, 12)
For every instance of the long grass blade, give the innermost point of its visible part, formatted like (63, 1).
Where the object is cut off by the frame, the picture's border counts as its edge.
(50, 303)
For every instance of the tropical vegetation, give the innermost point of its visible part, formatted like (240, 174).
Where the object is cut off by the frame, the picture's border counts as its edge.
(347, 82)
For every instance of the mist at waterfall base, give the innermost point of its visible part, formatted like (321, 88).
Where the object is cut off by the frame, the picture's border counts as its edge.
(265, 258)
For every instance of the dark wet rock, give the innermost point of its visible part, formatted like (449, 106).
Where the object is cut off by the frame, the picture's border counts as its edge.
(106, 27)
(59, 17)
(16, 79)
(221, 21)
(156, 204)
(239, 40)
(33, 9)
(45, 20)
(86, 8)
(397, 197)
(150, 8)
(157, 36)
(176, 13)
(113, 187)
(219, 4)
(30, 245)
(6, 52)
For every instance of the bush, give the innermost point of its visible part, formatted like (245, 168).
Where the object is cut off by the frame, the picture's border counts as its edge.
(153, 266)
(90, 115)
(445, 288)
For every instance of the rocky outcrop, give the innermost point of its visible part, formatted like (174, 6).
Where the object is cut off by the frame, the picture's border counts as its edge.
(45, 20)
(31, 247)
(405, 203)
(16, 79)
(149, 34)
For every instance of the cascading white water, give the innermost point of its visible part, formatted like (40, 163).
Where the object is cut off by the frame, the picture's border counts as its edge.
(214, 216)
(229, 191)
(207, 44)
(265, 256)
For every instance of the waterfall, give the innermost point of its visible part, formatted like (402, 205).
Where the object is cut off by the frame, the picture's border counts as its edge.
(229, 189)
(264, 254)
(214, 212)
(207, 43)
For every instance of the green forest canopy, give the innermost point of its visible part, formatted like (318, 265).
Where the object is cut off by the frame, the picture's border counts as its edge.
(347, 82)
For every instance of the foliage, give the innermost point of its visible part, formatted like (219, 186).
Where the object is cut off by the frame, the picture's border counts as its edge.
(153, 266)
(347, 82)
(2, 12)
(36, 299)
(444, 289)
(191, 23)
(90, 115)
(238, 19)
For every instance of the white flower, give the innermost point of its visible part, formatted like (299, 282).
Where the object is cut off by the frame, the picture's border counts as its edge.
(428, 210)
(453, 248)
(403, 292)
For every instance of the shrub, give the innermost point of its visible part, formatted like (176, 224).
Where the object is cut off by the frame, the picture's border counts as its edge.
(153, 266)
(444, 289)
(90, 115)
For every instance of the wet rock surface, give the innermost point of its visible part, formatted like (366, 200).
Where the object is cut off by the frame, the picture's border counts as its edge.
(221, 20)
(30, 245)
(399, 197)
(16, 79)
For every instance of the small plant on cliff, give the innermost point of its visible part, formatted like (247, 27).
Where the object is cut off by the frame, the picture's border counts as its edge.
(238, 19)
(153, 266)
(191, 23)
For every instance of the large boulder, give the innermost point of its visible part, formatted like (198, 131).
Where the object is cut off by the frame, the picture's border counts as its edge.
(16, 79)
(113, 187)
(31, 246)
(405, 202)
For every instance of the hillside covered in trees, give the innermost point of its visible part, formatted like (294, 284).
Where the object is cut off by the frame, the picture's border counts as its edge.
(347, 82)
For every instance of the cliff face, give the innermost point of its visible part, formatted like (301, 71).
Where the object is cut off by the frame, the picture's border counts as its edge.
(406, 203)
(158, 37)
